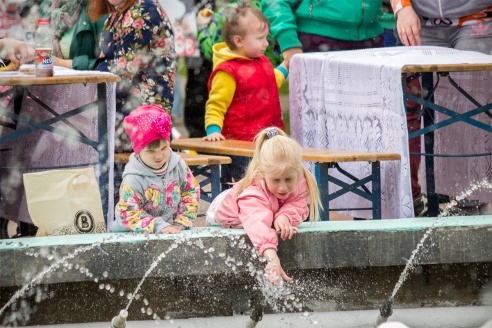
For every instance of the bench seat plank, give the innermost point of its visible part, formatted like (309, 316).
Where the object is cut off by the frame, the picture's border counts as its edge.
(190, 159)
(246, 148)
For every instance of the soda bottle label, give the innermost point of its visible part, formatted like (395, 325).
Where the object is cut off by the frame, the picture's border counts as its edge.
(44, 59)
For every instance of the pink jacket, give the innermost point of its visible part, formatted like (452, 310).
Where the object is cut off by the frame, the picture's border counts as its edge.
(256, 209)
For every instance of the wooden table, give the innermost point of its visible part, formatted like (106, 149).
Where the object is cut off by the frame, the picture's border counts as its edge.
(21, 85)
(323, 159)
(355, 100)
(452, 116)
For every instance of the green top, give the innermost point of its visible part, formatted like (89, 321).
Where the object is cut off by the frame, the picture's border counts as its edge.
(84, 50)
(353, 20)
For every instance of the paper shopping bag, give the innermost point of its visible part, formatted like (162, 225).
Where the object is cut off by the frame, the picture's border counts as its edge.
(64, 202)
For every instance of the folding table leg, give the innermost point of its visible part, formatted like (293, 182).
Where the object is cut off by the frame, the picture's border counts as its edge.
(321, 174)
(433, 203)
(215, 180)
(102, 127)
(376, 191)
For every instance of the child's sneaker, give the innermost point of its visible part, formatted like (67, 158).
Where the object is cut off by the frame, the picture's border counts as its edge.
(420, 207)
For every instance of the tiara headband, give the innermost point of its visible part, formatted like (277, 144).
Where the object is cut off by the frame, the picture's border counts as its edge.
(272, 133)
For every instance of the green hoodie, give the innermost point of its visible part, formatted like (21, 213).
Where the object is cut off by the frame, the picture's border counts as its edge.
(347, 20)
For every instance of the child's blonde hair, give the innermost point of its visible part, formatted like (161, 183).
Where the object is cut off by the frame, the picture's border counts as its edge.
(276, 152)
(233, 27)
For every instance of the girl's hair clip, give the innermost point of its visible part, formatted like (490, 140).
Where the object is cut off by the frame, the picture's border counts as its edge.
(272, 133)
(246, 5)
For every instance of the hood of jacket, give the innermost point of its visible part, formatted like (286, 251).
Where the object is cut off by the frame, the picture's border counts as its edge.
(135, 167)
(222, 53)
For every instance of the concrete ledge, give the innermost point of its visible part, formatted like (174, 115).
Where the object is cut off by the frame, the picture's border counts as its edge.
(214, 250)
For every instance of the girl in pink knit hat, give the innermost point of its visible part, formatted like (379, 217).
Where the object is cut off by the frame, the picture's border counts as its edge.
(158, 192)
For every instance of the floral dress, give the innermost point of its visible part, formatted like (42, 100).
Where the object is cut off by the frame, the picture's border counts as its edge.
(138, 46)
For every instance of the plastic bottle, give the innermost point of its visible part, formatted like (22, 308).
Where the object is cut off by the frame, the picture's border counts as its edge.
(44, 48)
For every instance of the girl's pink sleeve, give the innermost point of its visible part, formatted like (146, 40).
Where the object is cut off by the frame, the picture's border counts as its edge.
(257, 219)
(296, 206)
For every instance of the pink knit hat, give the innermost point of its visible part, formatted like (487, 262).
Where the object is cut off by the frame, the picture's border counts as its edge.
(146, 124)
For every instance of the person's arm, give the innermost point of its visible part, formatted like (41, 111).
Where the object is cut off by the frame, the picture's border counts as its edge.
(220, 98)
(283, 26)
(133, 215)
(407, 22)
(86, 59)
(11, 48)
(281, 74)
(408, 26)
(399, 4)
(190, 198)
(57, 61)
(274, 268)
(256, 217)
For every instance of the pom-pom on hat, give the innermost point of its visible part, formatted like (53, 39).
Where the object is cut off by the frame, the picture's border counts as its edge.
(146, 124)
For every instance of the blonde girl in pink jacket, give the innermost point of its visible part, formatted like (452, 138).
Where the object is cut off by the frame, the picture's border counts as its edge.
(276, 195)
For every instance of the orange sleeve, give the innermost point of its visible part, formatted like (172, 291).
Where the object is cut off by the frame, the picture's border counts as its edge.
(399, 4)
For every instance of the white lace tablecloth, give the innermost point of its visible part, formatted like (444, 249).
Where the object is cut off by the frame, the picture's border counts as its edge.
(41, 148)
(353, 100)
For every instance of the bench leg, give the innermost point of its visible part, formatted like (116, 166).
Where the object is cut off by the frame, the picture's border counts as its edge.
(215, 180)
(376, 191)
(321, 174)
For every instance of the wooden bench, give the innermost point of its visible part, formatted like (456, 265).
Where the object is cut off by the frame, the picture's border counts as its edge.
(323, 159)
(207, 166)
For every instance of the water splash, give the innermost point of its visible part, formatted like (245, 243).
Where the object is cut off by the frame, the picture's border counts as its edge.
(154, 265)
(46, 271)
(445, 212)
(386, 310)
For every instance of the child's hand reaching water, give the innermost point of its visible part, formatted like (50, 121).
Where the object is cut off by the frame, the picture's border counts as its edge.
(273, 269)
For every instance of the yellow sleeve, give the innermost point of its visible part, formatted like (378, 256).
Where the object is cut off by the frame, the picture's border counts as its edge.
(219, 99)
(279, 78)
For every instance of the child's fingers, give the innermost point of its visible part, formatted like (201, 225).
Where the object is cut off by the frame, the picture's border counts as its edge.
(286, 277)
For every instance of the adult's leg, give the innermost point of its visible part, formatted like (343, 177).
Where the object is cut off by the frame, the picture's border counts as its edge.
(474, 38)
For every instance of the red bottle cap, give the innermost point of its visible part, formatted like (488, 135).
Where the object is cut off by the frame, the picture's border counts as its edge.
(43, 21)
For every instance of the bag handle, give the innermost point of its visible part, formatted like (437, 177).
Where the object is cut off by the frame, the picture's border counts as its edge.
(80, 180)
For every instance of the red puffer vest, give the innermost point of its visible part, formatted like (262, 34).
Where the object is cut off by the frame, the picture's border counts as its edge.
(256, 103)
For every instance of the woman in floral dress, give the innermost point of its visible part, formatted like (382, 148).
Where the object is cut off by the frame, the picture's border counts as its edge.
(137, 44)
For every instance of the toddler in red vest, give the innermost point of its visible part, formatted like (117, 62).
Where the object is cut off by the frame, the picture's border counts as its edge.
(243, 87)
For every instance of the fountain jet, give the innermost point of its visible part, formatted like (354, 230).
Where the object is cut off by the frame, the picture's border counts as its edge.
(120, 320)
(385, 311)
(256, 313)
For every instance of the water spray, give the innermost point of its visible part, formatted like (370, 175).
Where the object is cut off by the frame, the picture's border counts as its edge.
(385, 311)
(120, 320)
